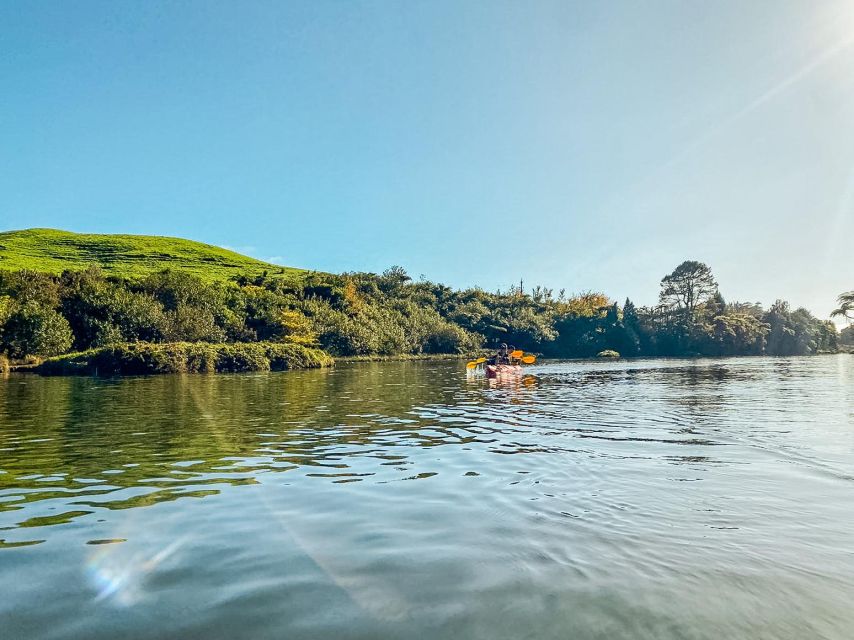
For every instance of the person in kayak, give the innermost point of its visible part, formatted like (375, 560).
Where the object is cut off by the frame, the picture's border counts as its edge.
(502, 357)
(510, 351)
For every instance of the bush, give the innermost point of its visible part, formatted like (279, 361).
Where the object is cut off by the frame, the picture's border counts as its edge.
(250, 356)
(4, 364)
(32, 329)
(337, 332)
(608, 353)
(185, 357)
(293, 356)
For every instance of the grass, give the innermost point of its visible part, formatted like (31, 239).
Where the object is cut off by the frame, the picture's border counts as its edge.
(142, 358)
(127, 256)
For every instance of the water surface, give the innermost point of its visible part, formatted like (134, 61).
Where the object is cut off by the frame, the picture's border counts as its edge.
(646, 499)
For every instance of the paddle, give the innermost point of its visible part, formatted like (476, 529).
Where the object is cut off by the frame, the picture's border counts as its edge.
(516, 354)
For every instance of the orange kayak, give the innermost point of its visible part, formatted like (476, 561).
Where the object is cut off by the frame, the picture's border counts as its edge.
(502, 370)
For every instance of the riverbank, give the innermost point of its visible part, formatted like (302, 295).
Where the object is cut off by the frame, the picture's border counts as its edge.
(410, 356)
(142, 358)
(194, 357)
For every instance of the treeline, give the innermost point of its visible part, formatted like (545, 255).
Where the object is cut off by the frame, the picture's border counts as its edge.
(390, 314)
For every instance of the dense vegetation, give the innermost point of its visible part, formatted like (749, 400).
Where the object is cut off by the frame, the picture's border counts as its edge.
(186, 357)
(846, 310)
(125, 256)
(42, 314)
(846, 306)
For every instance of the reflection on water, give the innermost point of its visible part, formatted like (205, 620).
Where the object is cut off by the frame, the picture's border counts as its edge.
(644, 499)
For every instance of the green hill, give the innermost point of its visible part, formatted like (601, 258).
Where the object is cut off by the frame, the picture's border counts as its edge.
(128, 256)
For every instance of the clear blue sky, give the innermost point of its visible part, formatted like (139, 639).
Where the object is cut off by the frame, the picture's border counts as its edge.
(582, 145)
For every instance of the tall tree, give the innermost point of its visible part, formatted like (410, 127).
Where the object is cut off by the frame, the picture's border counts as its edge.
(688, 286)
(846, 306)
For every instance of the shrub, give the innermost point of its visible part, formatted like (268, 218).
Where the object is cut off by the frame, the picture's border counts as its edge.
(337, 332)
(32, 329)
(296, 328)
(200, 357)
(608, 353)
(143, 358)
(292, 356)
(250, 356)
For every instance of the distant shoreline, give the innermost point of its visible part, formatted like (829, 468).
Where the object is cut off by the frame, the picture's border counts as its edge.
(118, 361)
(87, 303)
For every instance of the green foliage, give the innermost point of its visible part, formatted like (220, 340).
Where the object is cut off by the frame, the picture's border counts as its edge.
(846, 306)
(827, 336)
(185, 322)
(688, 286)
(32, 329)
(103, 312)
(608, 353)
(295, 328)
(589, 323)
(6, 306)
(737, 333)
(295, 356)
(846, 336)
(797, 332)
(250, 356)
(185, 357)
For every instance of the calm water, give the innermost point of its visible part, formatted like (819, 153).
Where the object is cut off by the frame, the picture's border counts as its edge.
(648, 499)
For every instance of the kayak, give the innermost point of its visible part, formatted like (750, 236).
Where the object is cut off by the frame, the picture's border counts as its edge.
(502, 370)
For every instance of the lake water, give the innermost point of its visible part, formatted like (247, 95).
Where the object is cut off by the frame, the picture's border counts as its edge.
(662, 499)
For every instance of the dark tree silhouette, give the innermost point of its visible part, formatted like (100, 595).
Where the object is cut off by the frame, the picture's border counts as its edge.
(846, 306)
(688, 286)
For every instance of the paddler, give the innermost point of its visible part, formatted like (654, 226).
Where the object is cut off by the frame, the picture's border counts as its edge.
(502, 357)
(510, 351)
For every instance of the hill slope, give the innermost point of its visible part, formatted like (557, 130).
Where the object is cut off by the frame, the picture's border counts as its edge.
(128, 256)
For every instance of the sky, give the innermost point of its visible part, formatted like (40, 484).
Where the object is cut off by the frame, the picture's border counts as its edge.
(576, 145)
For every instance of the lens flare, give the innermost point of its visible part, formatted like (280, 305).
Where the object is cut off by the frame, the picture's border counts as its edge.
(119, 575)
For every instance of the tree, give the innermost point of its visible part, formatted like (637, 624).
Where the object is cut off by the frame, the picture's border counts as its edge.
(826, 337)
(27, 286)
(585, 323)
(749, 308)
(738, 333)
(715, 306)
(688, 286)
(35, 330)
(296, 328)
(846, 306)
(102, 312)
(632, 330)
(393, 279)
(846, 336)
(797, 332)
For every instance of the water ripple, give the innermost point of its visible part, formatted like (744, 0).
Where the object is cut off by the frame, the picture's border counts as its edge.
(647, 499)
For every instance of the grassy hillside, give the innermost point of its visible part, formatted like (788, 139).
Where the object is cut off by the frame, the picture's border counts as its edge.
(128, 256)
